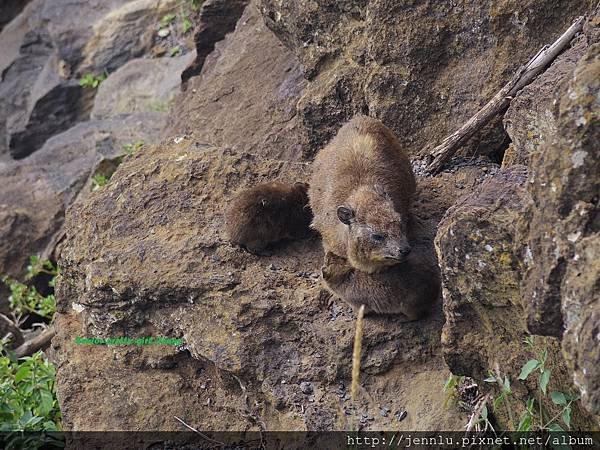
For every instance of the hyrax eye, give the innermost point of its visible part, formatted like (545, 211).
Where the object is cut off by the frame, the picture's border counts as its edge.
(378, 237)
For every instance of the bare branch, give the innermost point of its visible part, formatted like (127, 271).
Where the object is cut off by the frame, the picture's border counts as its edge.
(525, 75)
(40, 342)
(10, 326)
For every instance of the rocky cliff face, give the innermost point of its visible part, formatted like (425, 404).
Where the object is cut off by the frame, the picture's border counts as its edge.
(54, 133)
(265, 346)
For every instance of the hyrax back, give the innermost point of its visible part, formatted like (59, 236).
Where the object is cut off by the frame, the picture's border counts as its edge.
(268, 213)
(360, 192)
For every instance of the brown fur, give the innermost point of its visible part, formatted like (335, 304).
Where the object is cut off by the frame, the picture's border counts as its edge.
(408, 289)
(365, 169)
(268, 213)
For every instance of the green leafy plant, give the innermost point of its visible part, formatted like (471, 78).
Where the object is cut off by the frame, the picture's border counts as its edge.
(91, 80)
(450, 387)
(159, 106)
(175, 50)
(186, 24)
(38, 265)
(133, 147)
(99, 180)
(195, 4)
(536, 416)
(533, 419)
(27, 389)
(167, 20)
(24, 298)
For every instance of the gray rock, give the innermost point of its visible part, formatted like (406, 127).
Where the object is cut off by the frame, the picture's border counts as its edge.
(306, 387)
(49, 47)
(217, 18)
(9, 9)
(141, 85)
(37, 190)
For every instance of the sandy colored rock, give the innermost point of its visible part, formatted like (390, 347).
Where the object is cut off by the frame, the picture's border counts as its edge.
(156, 260)
(422, 68)
(141, 85)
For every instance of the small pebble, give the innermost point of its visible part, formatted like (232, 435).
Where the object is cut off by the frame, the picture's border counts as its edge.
(164, 32)
(401, 415)
(384, 411)
(306, 388)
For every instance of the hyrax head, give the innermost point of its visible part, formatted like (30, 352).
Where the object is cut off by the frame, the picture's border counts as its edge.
(376, 232)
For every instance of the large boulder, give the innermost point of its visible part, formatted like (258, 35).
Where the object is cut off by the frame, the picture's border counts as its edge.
(422, 67)
(520, 255)
(216, 19)
(49, 47)
(561, 230)
(265, 345)
(141, 85)
(9, 9)
(38, 189)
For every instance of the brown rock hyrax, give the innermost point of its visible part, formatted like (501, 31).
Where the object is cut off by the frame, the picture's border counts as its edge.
(408, 289)
(360, 192)
(268, 213)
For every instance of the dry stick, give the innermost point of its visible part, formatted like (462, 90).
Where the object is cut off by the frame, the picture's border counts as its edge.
(41, 341)
(356, 354)
(525, 75)
(13, 329)
(476, 412)
(202, 435)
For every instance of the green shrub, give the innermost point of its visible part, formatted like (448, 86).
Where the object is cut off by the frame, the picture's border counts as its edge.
(25, 299)
(27, 389)
(91, 80)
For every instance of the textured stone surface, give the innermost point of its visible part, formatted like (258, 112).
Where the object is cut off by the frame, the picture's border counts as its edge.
(485, 315)
(533, 242)
(9, 9)
(49, 47)
(562, 227)
(141, 85)
(37, 190)
(216, 19)
(422, 67)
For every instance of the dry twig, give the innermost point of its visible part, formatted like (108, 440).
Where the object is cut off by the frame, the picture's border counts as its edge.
(525, 75)
(202, 435)
(40, 342)
(13, 329)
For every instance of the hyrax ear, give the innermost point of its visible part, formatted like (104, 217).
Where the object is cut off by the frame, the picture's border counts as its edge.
(345, 214)
(380, 190)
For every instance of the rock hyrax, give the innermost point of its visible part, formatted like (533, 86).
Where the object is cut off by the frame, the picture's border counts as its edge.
(360, 193)
(268, 213)
(408, 289)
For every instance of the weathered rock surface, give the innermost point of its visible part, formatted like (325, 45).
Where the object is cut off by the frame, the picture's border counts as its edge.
(562, 228)
(141, 85)
(37, 190)
(52, 44)
(216, 19)
(9, 9)
(520, 256)
(422, 67)
(147, 255)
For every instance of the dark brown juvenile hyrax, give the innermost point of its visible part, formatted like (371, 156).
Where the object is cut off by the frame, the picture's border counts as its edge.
(268, 213)
(360, 192)
(409, 289)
